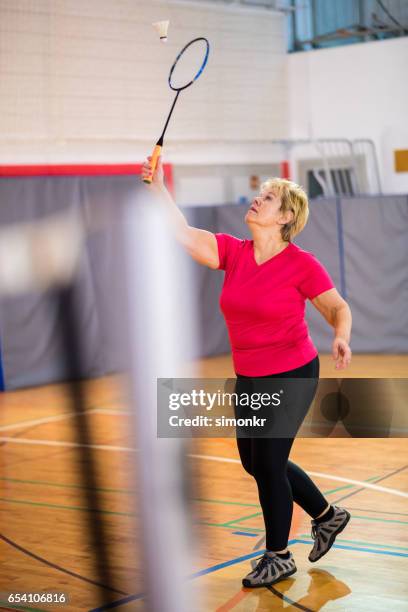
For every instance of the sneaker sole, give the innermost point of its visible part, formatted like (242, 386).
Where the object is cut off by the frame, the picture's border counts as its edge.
(267, 584)
(332, 538)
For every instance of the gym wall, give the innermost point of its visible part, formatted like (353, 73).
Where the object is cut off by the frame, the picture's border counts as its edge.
(361, 241)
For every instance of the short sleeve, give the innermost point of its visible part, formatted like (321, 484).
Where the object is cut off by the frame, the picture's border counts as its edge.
(315, 278)
(227, 249)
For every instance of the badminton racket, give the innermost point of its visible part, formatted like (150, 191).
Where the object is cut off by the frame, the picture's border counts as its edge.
(188, 66)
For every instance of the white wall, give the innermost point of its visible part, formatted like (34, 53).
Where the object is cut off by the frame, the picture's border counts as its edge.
(355, 91)
(87, 80)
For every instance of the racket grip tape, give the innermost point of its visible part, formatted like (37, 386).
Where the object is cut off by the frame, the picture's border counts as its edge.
(153, 163)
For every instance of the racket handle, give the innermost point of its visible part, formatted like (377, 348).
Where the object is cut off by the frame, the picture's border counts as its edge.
(153, 163)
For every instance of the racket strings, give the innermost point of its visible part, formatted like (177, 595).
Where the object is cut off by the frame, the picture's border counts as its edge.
(189, 64)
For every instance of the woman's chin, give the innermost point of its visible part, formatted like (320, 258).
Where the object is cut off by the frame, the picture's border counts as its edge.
(248, 219)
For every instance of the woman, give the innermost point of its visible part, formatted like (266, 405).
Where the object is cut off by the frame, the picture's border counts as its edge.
(267, 281)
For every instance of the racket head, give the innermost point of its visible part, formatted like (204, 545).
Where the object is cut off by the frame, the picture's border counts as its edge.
(189, 64)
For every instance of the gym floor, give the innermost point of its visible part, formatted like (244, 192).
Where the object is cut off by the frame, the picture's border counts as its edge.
(45, 542)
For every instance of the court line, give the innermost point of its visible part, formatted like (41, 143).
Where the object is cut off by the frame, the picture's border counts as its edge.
(364, 485)
(11, 607)
(365, 518)
(196, 499)
(59, 417)
(287, 599)
(349, 486)
(294, 528)
(111, 411)
(261, 541)
(238, 520)
(236, 560)
(226, 502)
(380, 520)
(397, 471)
(228, 523)
(28, 502)
(107, 447)
(61, 443)
(27, 552)
(41, 421)
(233, 601)
(358, 483)
(390, 553)
(208, 524)
(378, 511)
(120, 602)
(352, 483)
(45, 483)
(53, 419)
(294, 604)
(306, 535)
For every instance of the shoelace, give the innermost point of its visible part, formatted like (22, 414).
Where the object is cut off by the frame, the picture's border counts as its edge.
(315, 531)
(263, 562)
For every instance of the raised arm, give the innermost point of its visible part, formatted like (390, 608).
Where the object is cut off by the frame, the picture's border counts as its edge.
(200, 244)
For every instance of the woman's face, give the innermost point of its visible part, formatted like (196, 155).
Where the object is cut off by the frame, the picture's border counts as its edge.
(265, 211)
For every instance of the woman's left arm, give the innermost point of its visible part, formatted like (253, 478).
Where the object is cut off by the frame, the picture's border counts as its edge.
(337, 313)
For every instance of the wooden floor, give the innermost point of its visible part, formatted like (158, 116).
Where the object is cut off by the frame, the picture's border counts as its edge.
(362, 366)
(45, 511)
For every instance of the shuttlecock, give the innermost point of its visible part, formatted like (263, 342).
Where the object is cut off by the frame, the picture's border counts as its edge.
(161, 27)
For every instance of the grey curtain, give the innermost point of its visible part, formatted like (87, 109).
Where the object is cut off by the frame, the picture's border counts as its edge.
(362, 242)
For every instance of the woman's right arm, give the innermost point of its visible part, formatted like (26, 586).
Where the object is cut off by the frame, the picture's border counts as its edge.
(200, 244)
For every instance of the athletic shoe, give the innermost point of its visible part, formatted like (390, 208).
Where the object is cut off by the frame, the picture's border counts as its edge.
(269, 569)
(325, 532)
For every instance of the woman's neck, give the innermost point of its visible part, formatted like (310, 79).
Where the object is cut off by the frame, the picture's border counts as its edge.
(267, 244)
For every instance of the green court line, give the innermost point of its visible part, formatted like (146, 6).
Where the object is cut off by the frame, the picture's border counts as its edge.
(112, 490)
(254, 529)
(129, 492)
(234, 521)
(355, 516)
(61, 507)
(65, 485)
(124, 491)
(234, 503)
(229, 524)
(379, 520)
(6, 604)
(393, 546)
(227, 503)
(349, 486)
(116, 513)
(377, 511)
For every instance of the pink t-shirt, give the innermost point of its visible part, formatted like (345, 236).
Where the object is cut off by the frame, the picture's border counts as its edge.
(264, 305)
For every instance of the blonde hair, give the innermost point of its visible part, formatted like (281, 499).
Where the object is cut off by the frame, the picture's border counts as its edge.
(293, 197)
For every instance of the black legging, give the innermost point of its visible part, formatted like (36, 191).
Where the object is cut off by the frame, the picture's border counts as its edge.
(280, 481)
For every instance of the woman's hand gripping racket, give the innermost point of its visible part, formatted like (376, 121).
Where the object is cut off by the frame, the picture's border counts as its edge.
(188, 66)
(156, 179)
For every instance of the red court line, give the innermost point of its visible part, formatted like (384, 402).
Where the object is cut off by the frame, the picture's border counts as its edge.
(235, 600)
(30, 170)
